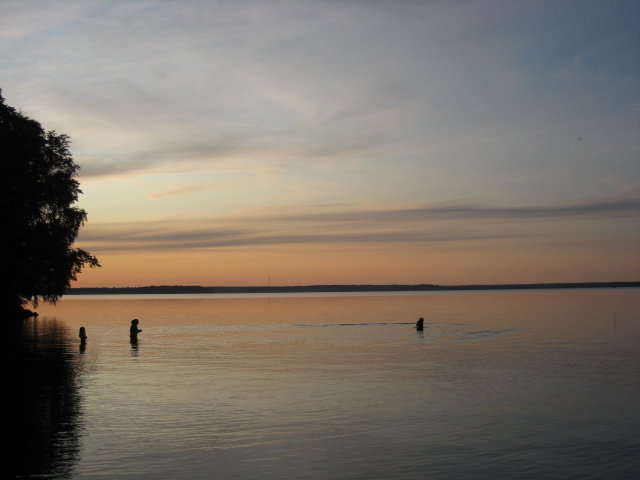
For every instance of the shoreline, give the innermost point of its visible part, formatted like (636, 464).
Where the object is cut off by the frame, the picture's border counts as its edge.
(185, 289)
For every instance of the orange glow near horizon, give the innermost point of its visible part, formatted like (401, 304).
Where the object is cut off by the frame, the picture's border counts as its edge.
(439, 245)
(366, 265)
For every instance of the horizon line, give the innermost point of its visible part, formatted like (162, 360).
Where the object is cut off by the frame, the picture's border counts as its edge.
(362, 287)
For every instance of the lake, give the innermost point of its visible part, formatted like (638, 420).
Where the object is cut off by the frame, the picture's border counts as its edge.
(499, 385)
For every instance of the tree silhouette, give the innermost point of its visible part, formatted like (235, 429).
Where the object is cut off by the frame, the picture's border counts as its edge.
(38, 189)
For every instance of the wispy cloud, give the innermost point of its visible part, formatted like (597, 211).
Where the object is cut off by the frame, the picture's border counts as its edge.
(308, 82)
(185, 190)
(614, 208)
(418, 225)
(186, 241)
(186, 156)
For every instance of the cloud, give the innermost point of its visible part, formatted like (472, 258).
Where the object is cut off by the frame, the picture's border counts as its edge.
(390, 227)
(459, 211)
(144, 161)
(137, 84)
(172, 241)
(187, 157)
(185, 190)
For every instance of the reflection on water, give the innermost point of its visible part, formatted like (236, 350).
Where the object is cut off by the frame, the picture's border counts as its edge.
(44, 419)
(523, 385)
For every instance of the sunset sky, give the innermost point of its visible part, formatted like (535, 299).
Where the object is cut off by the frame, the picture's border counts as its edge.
(337, 141)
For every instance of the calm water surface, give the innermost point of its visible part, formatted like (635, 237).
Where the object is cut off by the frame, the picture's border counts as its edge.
(535, 384)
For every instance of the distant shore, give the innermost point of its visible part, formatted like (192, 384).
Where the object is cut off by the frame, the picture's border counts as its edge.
(187, 289)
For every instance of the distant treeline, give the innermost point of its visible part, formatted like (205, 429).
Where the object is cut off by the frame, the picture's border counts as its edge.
(184, 289)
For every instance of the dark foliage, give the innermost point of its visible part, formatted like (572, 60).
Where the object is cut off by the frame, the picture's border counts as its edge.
(39, 220)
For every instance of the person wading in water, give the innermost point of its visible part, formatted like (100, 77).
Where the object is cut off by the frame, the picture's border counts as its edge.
(134, 330)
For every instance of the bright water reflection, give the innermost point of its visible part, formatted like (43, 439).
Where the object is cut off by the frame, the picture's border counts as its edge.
(539, 384)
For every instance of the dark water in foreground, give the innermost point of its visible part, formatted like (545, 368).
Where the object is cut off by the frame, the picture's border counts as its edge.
(536, 384)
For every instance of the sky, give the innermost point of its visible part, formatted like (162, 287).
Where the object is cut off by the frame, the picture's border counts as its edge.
(308, 142)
